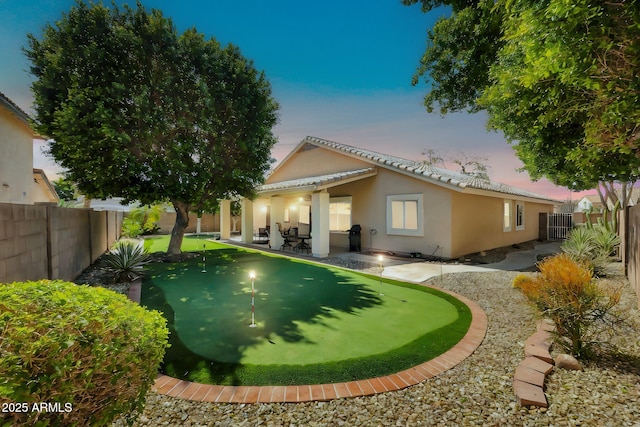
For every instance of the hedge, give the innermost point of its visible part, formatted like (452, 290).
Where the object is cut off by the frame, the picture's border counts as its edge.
(75, 355)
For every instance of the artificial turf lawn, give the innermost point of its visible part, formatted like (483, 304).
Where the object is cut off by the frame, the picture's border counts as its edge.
(316, 324)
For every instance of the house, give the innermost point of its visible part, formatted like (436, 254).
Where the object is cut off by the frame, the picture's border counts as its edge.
(43, 190)
(19, 182)
(592, 202)
(402, 206)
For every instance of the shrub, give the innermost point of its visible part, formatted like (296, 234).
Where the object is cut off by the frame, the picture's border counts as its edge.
(131, 228)
(591, 246)
(89, 350)
(142, 220)
(127, 260)
(566, 292)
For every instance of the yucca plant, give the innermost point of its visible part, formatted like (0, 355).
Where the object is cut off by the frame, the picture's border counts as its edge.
(127, 260)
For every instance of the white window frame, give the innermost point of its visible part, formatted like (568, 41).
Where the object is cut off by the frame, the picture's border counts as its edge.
(519, 214)
(335, 200)
(507, 215)
(419, 230)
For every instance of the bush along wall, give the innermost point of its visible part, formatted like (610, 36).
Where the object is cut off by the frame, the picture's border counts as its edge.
(75, 355)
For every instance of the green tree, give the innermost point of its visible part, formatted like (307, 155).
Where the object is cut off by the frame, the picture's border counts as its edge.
(65, 188)
(136, 110)
(460, 51)
(557, 78)
(560, 92)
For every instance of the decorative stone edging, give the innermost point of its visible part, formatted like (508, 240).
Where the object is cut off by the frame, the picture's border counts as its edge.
(322, 392)
(528, 380)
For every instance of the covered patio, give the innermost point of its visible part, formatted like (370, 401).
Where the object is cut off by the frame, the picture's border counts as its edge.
(298, 207)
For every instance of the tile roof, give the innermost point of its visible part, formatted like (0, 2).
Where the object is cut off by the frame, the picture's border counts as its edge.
(13, 107)
(426, 171)
(315, 181)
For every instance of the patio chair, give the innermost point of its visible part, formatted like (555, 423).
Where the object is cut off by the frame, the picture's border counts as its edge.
(263, 234)
(304, 234)
(289, 235)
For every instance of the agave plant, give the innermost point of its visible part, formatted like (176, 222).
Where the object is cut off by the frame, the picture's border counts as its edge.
(592, 246)
(579, 244)
(127, 259)
(605, 240)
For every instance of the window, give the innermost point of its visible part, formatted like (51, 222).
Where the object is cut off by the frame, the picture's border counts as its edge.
(404, 215)
(519, 215)
(506, 225)
(339, 213)
(304, 214)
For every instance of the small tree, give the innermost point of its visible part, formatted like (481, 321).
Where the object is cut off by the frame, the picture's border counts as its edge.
(65, 188)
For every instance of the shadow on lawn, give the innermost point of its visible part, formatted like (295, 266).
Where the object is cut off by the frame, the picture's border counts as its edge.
(209, 313)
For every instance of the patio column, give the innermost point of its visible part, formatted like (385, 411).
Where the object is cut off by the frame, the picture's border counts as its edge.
(246, 220)
(225, 219)
(277, 215)
(320, 224)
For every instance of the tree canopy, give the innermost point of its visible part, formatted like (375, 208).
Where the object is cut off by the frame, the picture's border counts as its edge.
(558, 78)
(136, 110)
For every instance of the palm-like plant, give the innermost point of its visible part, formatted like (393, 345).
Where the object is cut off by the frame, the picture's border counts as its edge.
(127, 260)
(579, 244)
(591, 246)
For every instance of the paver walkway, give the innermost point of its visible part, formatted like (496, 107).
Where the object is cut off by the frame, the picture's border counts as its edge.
(302, 393)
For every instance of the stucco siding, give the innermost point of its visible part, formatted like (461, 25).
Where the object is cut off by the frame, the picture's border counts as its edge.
(314, 162)
(369, 209)
(16, 161)
(479, 223)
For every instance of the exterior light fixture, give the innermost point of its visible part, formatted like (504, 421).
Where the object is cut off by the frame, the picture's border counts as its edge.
(380, 260)
(252, 276)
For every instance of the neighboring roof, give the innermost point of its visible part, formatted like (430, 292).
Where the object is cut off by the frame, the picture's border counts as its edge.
(634, 197)
(112, 204)
(40, 178)
(318, 182)
(13, 108)
(418, 169)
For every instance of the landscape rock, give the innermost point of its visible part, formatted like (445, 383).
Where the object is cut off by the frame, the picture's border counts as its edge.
(566, 361)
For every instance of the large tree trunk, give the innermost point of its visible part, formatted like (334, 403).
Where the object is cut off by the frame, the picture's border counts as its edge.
(177, 234)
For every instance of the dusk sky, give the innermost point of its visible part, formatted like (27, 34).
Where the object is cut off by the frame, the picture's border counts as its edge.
(341, 70)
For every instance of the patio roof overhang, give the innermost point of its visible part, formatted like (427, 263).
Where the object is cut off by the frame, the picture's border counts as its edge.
(314, 183)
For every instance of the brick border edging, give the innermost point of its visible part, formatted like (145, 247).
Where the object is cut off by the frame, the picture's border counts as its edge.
(531, 373)
(174, 387)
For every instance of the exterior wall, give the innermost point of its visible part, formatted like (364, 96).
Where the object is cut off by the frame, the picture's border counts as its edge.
(210, 223)
(23, 242)
(16, 161)
(632, 248)
(41, 190)
(315, 162)
(70, 242)
(49, 242)
(369, 209)
(478, 223)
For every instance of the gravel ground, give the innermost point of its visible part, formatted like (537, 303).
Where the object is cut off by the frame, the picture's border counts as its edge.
(476, 392)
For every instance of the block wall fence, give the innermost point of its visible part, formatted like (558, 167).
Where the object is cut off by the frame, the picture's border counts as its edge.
(51, 242)
(631, 244)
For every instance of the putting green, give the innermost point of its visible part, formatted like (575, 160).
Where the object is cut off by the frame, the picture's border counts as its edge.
(311, 320)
